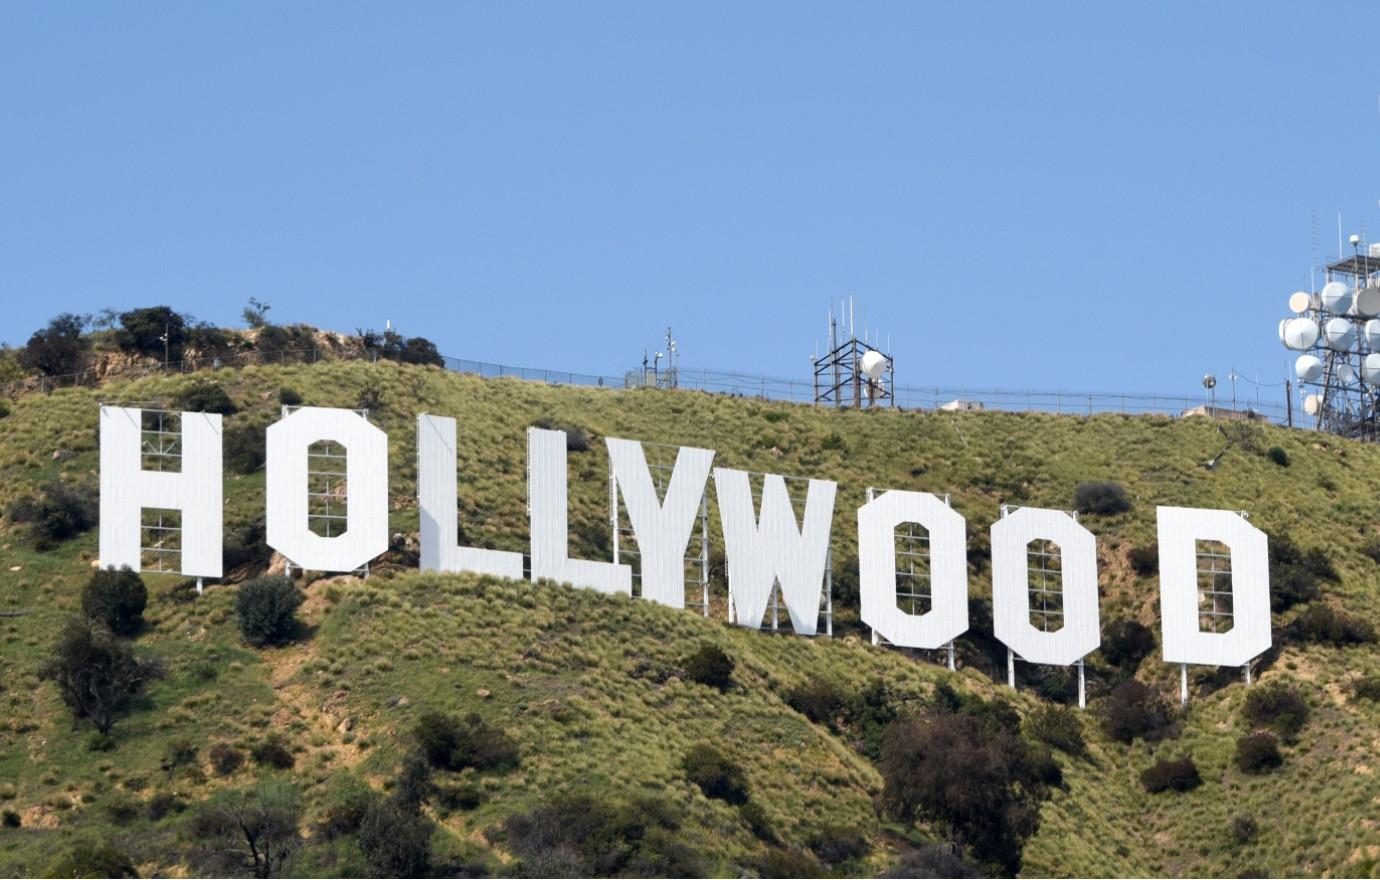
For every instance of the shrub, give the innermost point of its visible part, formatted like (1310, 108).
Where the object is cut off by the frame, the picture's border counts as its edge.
(142, 330)
(4, 408)
(272, 752)
(836, 844)
(932, 861)
(1243, 830)
(1327, 625)
(413, 785)
(245, 448)
(99, 860)
(1278, 456)
(96, 674)
(1277, 707)
(1180, 775)
(1101, 498)
(1145, 561)
(1371, 549)
(289, 397)
(1057, 726)
(978, 781)
(253, 829)
(11, 819)
(578, 835)
(1367, 688)
(757, 822)
(210, 341)
(715, 773)
(58, 349)
(225, 759)
(1258, 752)
(163, 804)
(57, 513)
(117, 598)
(1125, 643)
(395, 841)
(393, 346)
(450, 743)
(204, 396)
(1133, 710)
(576, 440)
(818, 700)
(709, 665)
(266, 608)
(121, 809)
(1296, 575)
(780, 862)
(180, 752)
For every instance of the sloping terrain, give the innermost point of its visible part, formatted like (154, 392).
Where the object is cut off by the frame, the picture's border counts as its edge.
(589, 686)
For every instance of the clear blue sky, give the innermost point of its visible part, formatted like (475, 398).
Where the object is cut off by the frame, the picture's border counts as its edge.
(1020, 195)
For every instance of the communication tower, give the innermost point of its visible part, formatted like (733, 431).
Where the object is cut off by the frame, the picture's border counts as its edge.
(1337, 334)
(852, 372)
(653, 374)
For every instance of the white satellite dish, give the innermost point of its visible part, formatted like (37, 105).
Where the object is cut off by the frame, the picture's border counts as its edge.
(1370, 369)
(1300, 302)
(1368, 302)
(1346, 374)
(1282, 323)
(1373, 334)
(1301, 334)
(1335, 297)
(1339, 333)
(1312, 404)
(1308, 368)
(873, 363)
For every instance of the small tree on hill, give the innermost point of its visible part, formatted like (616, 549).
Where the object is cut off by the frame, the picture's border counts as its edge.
(96, 673)
(116, 598)
(142, 331)
(58, 349)
(254, 828)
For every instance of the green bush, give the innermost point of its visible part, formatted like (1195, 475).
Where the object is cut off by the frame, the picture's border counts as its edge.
(1179, 775)
(717, 775)
(58, 512)
(1367, 688)
(451, 743)
(142, 331)
(1278, 456)
(1296, 575)
(1277, 707)
(1101, 498)
(272, 752)
(97, 674)
(395, 841)
(576, 439)
(1258, 752)
(58, 349)
(579, 835)
(98, 860)
(117, 598)
(1057, 726)
(204, 396)
(755, 818)
(780, 862)
(1133, 710)
(1145, 561)
(266, 608)
(823, 702)
(289, 397)
(1243, 830)
(1125, 643)
(225, 759)
(836, 844)
(709, 665)
(163, 804)
(1323, 624)
(10, 819)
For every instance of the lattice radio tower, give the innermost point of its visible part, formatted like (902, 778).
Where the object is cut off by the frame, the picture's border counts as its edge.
(852, 372)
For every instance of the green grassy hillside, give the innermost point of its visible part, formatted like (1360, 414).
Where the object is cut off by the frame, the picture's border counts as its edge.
(587, 685)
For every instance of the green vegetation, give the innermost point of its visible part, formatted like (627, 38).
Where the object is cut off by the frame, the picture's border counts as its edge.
(266, 608)
(711, 666)
(116, 598)
(1171, 775)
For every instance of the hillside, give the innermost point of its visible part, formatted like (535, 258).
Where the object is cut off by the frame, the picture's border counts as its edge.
(586, 684)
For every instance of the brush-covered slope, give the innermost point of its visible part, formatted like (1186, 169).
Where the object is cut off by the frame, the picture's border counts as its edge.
(586, 684)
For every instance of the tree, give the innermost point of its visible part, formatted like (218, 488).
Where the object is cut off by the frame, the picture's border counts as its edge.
(116, 598)
(977, 781)
(142, 331)
(57, 349)
(450, 743)
(266, 608)
(255, 828)
(96, 673)
(710, 665)
(395, 840)
(256, 313)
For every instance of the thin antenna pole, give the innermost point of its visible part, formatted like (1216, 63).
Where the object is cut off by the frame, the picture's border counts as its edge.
(853, 330)
(1339, 236)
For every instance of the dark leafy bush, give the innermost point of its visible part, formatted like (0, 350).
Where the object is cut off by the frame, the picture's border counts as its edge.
(58, 512)
(289, 397)
(451, 743)
(709, 665)
(582, 836)
(272, 752)
(1145, 561)
(1178, 775)
(836, 844)
(266, 608)
(1277, 707)
(209, 341)
(821, 701)
(977, 781)
(121, 809)
(717, 775)
(58, 349)
(96, 673)
(413, 785)
(1243, 830)
(163, 804)
(204, 396)
(94, 860)
(11, 819)
(393, 346)
(117, 598)
(1125, 643)
(1258, 752)
(244, 448)
(1278, 456)
(1371, 549)
(179, 752)
(576, 439)
(142, 331)
(1057, 726)
(755, 817)
(280, 344)
(869, 713)
(780, 862)
(1323, 624)
(395, 840)
(1367, 688)
(225, 759)
(1101, 498)
(1132, 710)
(1296, 575)
(247, 545)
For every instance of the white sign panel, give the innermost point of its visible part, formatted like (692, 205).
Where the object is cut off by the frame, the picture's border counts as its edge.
(126, 489)
(947, 618)
(366, 476)
(437, 487)
(662, 527)
(1180, 528)
(546, 504)
(762, 553)
(1080, 634)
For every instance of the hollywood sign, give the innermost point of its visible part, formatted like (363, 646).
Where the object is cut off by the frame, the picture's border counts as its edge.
(765, 546)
